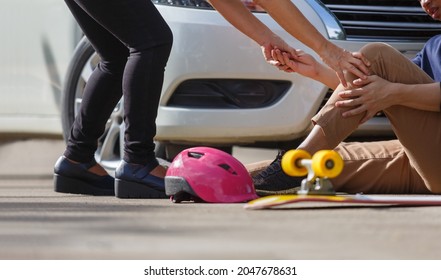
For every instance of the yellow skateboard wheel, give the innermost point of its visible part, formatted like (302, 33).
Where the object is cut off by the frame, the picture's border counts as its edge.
(327, 163)
(291, 162)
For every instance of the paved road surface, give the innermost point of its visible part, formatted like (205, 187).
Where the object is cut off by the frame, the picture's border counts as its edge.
(37, 223)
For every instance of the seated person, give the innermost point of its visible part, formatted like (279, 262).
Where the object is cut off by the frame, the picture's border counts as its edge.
(408, 92)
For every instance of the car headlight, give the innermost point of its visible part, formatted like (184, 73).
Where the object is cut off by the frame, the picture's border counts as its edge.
(204, 4)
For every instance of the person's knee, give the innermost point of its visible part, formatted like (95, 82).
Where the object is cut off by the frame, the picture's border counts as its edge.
(160, 44)
(380, 55)
(371, 50)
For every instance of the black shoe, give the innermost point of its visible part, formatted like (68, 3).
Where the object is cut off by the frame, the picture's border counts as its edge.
(272, 180)
(135, 181)
(75, 178)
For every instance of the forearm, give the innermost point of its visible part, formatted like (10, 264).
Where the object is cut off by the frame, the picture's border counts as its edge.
(241, 18)
(295, 23)
(421, 96)
(327, 76)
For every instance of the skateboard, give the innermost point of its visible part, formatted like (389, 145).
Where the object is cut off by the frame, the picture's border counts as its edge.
(278, 201)
(317, 187)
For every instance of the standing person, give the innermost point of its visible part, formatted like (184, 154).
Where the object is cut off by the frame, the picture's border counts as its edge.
(409, 94)
(134, 43)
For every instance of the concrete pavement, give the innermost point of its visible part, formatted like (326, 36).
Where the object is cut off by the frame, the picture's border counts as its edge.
(37, 223)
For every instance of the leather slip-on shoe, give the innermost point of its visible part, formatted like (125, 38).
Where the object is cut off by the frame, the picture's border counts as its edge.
(135, 181)
(75, 178)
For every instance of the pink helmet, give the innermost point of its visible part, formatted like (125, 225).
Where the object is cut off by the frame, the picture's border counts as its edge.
(210, 175)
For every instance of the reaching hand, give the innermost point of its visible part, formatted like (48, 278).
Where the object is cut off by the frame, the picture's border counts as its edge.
(276, 42)
(343, 61)
(371, 97)
(303, 63)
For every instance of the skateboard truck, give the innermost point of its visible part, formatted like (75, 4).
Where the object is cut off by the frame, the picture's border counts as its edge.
(318, 169)
(316, 185)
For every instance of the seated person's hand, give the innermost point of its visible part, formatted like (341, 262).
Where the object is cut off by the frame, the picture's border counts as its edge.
(303, 63)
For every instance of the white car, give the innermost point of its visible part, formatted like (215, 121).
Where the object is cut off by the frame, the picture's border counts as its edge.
(218, 90)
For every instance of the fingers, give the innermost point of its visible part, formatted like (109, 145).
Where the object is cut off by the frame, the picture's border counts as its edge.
(354, 102)
(280, 66)
(363, 59)
(353, 93)
(356, 71)
(276, 61)
(347, 103)
(271, 57)
(351, 99)
(277, 56)
(356, 109)
(266, 50)
(285, 68)
(362, 82)
(356, 64)
(360, 65)
(281, 60)
(282, 57)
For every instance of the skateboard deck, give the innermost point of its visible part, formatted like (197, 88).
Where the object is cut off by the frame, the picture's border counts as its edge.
(275, 201)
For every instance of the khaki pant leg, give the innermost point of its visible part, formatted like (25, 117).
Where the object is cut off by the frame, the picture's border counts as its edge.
(377, 167)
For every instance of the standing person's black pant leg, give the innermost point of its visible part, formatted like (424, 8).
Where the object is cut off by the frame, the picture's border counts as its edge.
(134, 44)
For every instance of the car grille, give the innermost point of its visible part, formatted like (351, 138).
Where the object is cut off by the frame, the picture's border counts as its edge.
(383, 20)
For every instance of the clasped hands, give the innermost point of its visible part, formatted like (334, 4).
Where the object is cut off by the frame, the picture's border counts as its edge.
(368, 94)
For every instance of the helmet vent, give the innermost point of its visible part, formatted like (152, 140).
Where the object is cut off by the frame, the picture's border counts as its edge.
(195, 155)
(228, 168)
